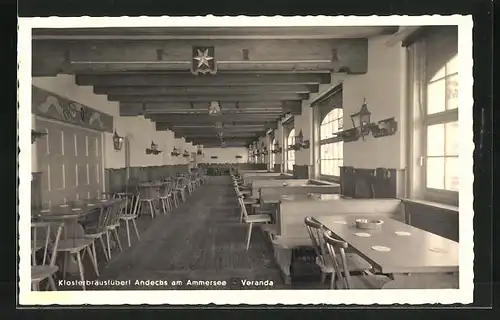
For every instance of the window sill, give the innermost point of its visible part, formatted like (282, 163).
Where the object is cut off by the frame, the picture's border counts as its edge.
(432, 204)
(330, 179)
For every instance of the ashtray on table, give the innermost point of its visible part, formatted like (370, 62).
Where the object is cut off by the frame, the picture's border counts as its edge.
(368, 224)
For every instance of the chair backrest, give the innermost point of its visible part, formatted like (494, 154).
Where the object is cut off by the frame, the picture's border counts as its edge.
(243, 209)
(316, 230)
(116, 209)
(133, 204)
(45, 235)
(336, 249)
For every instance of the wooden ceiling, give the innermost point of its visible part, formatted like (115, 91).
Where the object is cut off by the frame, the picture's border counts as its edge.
(262, 73)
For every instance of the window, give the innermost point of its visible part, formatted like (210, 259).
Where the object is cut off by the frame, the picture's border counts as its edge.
(441, 133)
(331, 147)
(290, 154)
(272, 156)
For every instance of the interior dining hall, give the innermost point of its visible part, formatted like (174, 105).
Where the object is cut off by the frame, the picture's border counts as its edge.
(233, 158)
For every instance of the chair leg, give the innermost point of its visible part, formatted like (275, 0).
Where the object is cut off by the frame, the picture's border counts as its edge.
(152, 209)
(128, 233)
(323, 277)
(35, 286)
(52, 283)
(108, 243)
(332, 281)
(104, 248)
(164, 206)
(93, 258)
(136, 230)
(80, 269)
(249, 234)
(65, 259)
(118, 239)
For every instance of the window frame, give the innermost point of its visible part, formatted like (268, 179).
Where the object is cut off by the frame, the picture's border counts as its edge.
(332, 141)
(290, 140)
(272, 156)
(419, 189)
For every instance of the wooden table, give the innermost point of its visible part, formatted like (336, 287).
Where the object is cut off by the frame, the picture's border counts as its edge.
(412, 251)
(275, 199)
(71, 214)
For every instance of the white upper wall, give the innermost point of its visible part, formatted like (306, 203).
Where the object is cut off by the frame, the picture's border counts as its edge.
(138, 130)
(384, 87)
(224, 155)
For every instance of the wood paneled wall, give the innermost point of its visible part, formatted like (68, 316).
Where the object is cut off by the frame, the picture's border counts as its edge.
(116, 179)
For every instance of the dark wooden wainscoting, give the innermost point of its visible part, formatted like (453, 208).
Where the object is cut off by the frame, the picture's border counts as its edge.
(439, 219)
(372, 183)
(36, 189)
(116, 179)
(277, 167)
(301, 171)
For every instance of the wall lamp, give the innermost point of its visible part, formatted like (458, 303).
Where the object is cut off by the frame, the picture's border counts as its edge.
(264, 150)
(361, 120)
(176, 152)
(362, 126)
(153, 149)
(36, 135)
(300, 143)
(117, 141)
(277, 148)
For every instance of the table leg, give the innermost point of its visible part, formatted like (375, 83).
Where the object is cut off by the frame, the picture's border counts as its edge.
(284, 259)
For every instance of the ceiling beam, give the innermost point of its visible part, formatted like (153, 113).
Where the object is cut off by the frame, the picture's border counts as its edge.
(349, 55)
(201, 108)
(212, 33)
(188, 98)
(165, 125)
(189, 80)
(222, 90)
(213, 119)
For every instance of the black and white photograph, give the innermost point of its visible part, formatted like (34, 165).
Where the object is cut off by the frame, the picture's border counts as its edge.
(245, 160)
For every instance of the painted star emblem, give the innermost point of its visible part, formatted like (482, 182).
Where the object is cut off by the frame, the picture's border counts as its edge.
(203, 58)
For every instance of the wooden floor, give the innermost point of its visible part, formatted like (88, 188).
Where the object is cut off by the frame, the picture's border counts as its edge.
(201, 240)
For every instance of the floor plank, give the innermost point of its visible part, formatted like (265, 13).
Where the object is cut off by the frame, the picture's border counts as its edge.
(201, 240)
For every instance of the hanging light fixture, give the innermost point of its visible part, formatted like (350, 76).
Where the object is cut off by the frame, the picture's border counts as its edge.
(117, 141)
(214, 108)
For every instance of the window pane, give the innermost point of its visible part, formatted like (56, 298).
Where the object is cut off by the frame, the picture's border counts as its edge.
(341, 124)
(452, 173)
(436, 96)
(452, 65)
(435, 140)
(452, 137)
(435, 173)
(452, 92)
(341, 149)
(438, 75)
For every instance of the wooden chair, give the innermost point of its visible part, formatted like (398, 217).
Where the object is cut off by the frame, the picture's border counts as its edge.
(73, 247)
(354, 262)
(44, 235)
(251, 219)
(148, 201)
(98, 228)
(131, 213)
(341, 276)
(166, 197)
(114, 223)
